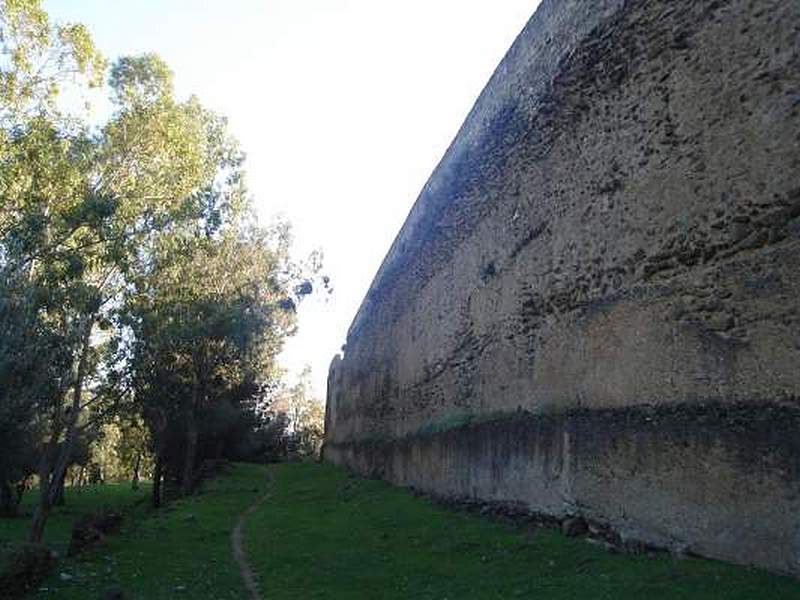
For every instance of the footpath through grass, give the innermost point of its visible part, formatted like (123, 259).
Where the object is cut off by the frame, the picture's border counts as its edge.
(324, 534)
(182, 550)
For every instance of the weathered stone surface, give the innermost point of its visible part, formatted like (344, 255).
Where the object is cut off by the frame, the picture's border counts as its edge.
(607, 258)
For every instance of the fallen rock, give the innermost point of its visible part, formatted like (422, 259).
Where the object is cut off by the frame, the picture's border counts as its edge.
(91, 529)
(574, 526)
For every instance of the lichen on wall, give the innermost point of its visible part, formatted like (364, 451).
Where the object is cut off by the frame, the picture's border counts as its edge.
(615, 230)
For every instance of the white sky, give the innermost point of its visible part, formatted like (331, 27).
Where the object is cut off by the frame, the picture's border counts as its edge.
(344, 107)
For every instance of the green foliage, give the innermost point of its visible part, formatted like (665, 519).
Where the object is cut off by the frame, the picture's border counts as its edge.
(139, 81)
(37, 58)
(305, 416)
(130, 264)
(121, 451)
(33, 364)
(208, 323)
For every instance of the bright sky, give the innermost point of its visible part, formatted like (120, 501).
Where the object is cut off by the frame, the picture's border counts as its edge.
(344, 108)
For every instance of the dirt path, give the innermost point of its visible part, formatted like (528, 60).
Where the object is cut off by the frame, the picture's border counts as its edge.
(239, 554)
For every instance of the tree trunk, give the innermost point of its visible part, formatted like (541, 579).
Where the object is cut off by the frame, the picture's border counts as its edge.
(42, 510)
(51, 479)
(8, 500)
(40, 516)
(157, 476)
(60, 500)
(135, 478)
(187, 482)
(21, 488)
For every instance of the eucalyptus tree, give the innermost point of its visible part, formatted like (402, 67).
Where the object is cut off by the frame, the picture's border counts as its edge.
(38, 59)
(39, 180)
(79, 204)
(208, 318)
(132, 275)
(31, 364)
(144, 173)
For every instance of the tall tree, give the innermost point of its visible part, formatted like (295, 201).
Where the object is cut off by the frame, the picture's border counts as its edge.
(128, 256)
(144, 174)
(78, 205)
(39, 180)
(209, 318)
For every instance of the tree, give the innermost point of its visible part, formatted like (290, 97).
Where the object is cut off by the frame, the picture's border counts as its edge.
(305, 415)
(79, 205)
(33, 365)
(38, 59)
(138, 177)
(209, 318)
(130, 260)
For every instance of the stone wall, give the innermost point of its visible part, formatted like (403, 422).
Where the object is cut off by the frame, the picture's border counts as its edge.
(593, 306)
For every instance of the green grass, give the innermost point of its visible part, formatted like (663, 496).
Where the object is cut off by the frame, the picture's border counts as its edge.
(180, 551)
(324, 534)
(80, 501)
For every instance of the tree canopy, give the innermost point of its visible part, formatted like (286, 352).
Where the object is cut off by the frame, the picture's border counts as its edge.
(142, 305)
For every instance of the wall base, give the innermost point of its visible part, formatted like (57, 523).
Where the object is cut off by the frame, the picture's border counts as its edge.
(717, 480)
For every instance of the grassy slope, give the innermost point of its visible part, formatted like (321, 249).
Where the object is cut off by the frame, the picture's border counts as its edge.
(59, 526)
(326, 535)
(181, 551)
(323, 534)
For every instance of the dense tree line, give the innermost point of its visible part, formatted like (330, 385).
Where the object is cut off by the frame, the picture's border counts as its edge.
(142, 305)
